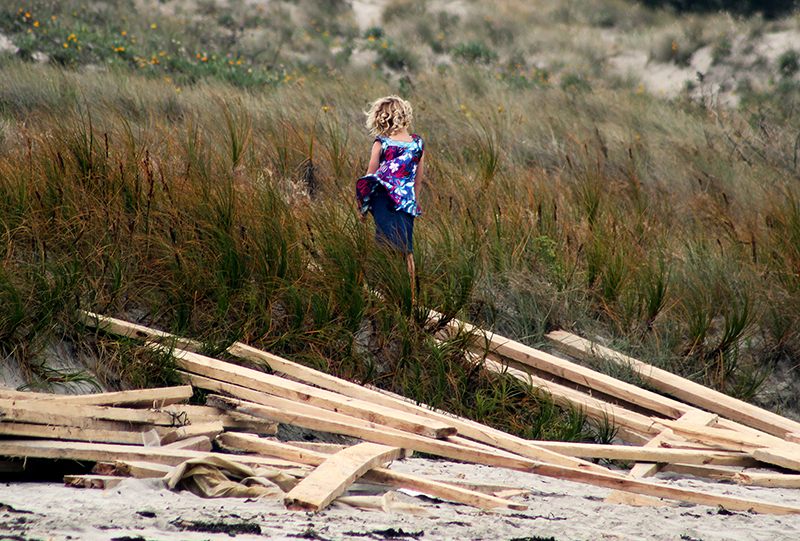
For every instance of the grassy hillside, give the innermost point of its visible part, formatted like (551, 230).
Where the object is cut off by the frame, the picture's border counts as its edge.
(192, 167)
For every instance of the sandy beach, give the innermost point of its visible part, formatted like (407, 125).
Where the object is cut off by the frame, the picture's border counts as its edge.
(560, 510)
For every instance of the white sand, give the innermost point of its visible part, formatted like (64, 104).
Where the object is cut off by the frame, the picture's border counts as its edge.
(559, 509)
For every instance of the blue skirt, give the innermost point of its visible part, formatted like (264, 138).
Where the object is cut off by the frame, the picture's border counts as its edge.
(394, 229)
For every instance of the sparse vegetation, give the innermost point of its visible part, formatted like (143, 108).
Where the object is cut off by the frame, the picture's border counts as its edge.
(208, 190)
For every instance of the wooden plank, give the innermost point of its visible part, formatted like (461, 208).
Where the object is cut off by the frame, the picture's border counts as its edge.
(787, 456)
(775, 480)
(132, 468)
(331, 448)
(21, 395)
(593, 407)
(636, 500)
(466, 427)
(377, 434)
(138, 398)
(738, 476)
(133, 330)
(440, 489)
(71, 433)
(581, 375)
(331, 478)
(683, 389)
(728, 439)
(191, 414)
(92, 481)
(662, 491)
(305, 394)
(548, 470)
(196, 443)
(717, 473)
(110, 452)
(769, 449)
(38, 411)
(210, 430)
(287, 406)
(654, 454)
(692, 417)
(392, 420)
(430, 487)
(319, 447)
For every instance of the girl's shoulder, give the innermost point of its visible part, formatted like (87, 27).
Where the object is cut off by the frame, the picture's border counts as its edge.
(389, 141)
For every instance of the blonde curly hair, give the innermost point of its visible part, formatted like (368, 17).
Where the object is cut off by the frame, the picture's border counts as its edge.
(388, 115)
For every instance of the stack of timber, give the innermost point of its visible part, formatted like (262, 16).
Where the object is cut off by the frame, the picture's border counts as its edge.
(243, 404)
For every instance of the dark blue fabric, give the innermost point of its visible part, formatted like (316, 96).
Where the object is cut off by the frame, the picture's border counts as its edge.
(394, 229)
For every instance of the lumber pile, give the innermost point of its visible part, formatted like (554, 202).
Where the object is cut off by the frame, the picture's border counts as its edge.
(152, 434)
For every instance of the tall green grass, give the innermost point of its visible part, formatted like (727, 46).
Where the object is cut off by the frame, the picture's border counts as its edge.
(224, 211)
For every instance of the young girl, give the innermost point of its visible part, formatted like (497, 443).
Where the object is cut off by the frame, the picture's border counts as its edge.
(390, 188)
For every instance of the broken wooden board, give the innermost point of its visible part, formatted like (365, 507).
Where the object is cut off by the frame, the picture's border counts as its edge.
(682, 388)
(437, 489)
(774, 480)
(466, 427)
(787, 456)
(92, 481)
(191, 415)
(196, 443)
(331, 478)
(729, 439)
(692, 417)
(138, 398)
(211, 430)
(376, 434)
(52, 412)
(132, 468)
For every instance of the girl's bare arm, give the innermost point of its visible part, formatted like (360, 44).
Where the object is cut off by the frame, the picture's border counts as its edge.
(374, 158)
(418, 178)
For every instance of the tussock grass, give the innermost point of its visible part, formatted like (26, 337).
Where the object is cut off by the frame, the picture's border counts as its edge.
(220, 207)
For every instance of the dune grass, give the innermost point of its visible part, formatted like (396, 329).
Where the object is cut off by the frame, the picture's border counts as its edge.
(221, 208)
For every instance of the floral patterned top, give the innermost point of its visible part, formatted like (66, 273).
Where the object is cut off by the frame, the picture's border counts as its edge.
(397, 172)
